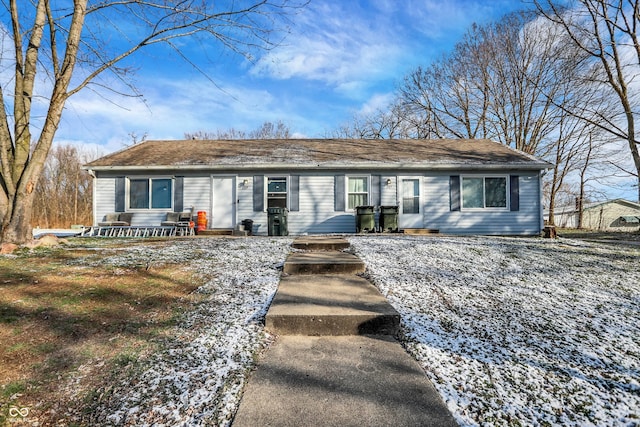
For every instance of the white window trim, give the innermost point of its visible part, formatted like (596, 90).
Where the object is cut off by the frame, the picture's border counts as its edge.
(484, 208)
(127, 195)
(346, 191)
(266, 189)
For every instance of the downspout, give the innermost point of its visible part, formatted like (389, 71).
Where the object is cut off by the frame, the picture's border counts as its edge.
(541, 173)
(92, 173)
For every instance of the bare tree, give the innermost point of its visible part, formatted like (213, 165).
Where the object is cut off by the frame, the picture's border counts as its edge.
(394, 122)
(230, 133)
(500, 82)
(607, 32)
(269, 130)
(70, 45)
(576, 151)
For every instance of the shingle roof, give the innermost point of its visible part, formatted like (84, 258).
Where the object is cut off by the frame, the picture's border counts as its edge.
(317, 153)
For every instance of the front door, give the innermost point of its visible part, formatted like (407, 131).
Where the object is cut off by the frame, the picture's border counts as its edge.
(410, 212)
(224, 202)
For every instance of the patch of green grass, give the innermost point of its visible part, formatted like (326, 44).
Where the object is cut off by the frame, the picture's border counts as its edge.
(16, 347)
(125, 359)
(66, 316)
(46, 347)
(12, 388)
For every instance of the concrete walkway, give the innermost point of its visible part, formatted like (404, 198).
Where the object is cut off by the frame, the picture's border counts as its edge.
(335, 361)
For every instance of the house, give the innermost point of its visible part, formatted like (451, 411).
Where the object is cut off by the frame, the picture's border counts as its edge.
(454, 186)
(610, 215)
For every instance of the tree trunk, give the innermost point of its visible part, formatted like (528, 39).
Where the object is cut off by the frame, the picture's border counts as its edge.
(17, 229)
(580, 205)
(633, 146)
(583, 174)
(59, 28)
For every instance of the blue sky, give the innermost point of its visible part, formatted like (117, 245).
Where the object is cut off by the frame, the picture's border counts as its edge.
(341, 58)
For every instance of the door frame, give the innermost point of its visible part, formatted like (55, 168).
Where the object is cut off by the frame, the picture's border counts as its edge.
(233, 197)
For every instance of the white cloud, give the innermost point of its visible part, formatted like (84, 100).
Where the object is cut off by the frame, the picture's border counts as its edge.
(350, 47)
(379, 101)
(171, 108)
(335, 44)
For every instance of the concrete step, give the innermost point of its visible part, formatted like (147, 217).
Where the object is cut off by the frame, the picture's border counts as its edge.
(340, 381)
(329, 262)
(216, 232)
(320, 243)
(420, 231)
(330, 305)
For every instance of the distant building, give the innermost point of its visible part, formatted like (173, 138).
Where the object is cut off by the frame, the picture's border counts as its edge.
(611, 215)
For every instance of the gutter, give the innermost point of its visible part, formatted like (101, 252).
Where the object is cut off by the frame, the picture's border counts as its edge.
(329, 167)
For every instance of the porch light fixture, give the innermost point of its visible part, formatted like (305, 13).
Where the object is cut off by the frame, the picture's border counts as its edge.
(388, 181)
(245, 183)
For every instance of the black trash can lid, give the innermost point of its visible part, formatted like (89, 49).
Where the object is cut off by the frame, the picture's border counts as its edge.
(364, 209)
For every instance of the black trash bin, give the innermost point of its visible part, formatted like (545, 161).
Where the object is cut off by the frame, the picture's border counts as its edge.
(365, 219)
(277, 222)
(389, 218)
(248, 226)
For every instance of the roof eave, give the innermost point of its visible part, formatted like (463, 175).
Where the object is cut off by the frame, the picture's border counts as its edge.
(330, 166)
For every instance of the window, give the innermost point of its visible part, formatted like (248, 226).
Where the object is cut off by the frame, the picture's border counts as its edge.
(410, 196)
(276, 192)
(150, 193)
(484, 192)
(495, 192)
(357, 191)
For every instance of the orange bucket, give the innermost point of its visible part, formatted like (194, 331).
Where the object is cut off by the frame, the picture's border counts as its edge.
(202, 221)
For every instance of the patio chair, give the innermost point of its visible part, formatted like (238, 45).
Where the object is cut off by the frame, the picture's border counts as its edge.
(172, 219)
(116, 219)
(177, 218)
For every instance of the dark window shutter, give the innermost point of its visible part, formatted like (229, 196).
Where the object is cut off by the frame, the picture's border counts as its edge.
(375, 190)
(514, 186)
(258, 193)
(120, 194)
(294, 193)
(454, 192)
(338, 192)
(178, 194)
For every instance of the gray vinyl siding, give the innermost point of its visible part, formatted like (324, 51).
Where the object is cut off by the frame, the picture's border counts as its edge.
(317, 214)
(105, 198)
(316, 204)
(197, 194)
(389, 193)
(525, 221)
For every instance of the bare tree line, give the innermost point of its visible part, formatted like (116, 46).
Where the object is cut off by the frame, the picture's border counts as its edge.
(268, 130)
(554, 82)
(63, 195)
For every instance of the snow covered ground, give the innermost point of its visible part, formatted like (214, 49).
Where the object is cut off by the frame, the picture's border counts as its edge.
(511, 331)
(197, 379)
(518, 331)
